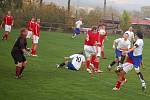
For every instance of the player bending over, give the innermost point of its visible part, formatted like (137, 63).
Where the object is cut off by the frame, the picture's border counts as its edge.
(73, 62)
(18, 51)
(120, 45)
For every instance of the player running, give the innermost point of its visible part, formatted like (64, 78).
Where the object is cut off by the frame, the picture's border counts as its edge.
(73, 62)
(36, 35)
(90, 48)
(8, 21)
(30, 27)
(18, 51)
(77, 27)
(131, 35)
(120, 45)
(137, 50)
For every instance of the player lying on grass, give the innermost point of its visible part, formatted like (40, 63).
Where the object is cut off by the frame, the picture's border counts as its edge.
(18, 51)
(73, 62)
(120, 45)
(91, 50)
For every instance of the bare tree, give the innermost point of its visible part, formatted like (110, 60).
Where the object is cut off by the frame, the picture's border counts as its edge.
(69, 6)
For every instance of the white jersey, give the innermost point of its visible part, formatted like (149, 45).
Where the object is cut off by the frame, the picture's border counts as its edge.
(139, 49)
(131, 35)
(121, 43)
(77, 60)
(78, 23)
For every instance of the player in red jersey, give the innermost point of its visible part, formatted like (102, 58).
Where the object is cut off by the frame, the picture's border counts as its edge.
(103, 35)
(90, 49)
(36, 34)
(122, 71)
(30, 26)
(8, 21)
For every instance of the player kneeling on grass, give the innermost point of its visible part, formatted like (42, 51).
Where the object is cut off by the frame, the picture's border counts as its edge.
(18, 51)
(73, 62)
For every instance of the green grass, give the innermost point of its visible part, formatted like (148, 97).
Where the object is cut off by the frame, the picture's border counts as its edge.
(43, 81)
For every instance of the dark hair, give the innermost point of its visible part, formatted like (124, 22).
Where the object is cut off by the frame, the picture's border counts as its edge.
(139, 34)
(94, 28)
(81, 52)
(23, 30)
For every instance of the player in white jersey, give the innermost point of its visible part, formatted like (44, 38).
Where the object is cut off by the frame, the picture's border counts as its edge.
(131, 34)
(77, 28)
(75, 62)
(137, 56)
(120, 45)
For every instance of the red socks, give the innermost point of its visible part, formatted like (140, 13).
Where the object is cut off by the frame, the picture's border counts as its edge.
(96, 65)
(118, 84)
(87, 64)
(18, 70)
(5, 36)
(22, 70)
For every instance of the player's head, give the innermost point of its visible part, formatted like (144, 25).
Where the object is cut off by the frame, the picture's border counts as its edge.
(125, 36)
(130, 29)
(82, 53)
(33, 18)
(23, 32)
(38, 20)
(139, 35)
(94, 29)
(9, 12)
(81, 18)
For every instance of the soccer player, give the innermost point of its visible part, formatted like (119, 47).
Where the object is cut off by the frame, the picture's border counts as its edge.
(36, 35)
(18, 51)
(120, 45)
(90, 48)
(137, 50)
(77, 27)
(30, 27)
(8, 21)
(122, 71)
(73, 62)
(103, 36)
(131, 34)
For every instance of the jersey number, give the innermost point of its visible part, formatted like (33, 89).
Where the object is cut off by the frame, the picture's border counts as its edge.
(78, 59)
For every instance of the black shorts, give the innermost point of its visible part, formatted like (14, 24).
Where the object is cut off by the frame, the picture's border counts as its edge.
(18, 58)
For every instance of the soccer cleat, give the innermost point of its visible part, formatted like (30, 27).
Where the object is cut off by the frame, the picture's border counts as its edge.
(109, 67)
(143, 87)
(89, 71)
(116, 89)
(57, 65)
(99, 71)
(18, 77)
(123, 82)
(34, 55)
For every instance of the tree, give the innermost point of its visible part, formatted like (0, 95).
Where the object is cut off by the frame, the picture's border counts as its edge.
(125, 19)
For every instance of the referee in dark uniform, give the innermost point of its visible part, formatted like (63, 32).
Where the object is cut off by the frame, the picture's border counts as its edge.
(18, 51)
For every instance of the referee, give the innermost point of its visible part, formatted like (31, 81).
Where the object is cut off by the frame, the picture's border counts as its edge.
(18, 51)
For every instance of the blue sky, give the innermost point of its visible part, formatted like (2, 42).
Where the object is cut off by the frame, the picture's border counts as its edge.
(119, 4)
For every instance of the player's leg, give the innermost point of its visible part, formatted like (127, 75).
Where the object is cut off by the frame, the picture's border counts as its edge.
(61, 64)
(102, 52)
(23, 64)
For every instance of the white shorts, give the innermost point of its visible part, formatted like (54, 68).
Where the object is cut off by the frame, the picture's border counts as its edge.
(127, 67)
(89, 50)
(99, 52)
(35, 39)
(7, 28)
(29, 34)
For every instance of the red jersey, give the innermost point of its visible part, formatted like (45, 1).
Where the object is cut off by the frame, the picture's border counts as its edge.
(36, 29)
(102, 38)
(31, 25)
(91, 39)
(129, 60)
(8, 20)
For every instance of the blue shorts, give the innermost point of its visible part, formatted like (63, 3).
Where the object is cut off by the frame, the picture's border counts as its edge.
(118, 53)
(136, 59)
(77, 30)
(71, 66)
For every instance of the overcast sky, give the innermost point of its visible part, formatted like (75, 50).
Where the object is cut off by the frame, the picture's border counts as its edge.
(119, 4)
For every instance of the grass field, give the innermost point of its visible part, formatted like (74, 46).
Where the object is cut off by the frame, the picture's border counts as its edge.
(43, 81)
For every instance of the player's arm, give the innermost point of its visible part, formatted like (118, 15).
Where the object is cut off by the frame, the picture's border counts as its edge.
(12, 22)
(2, 23)
(26, 52)
(66, 58)
(114, 44)
(124, 49)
